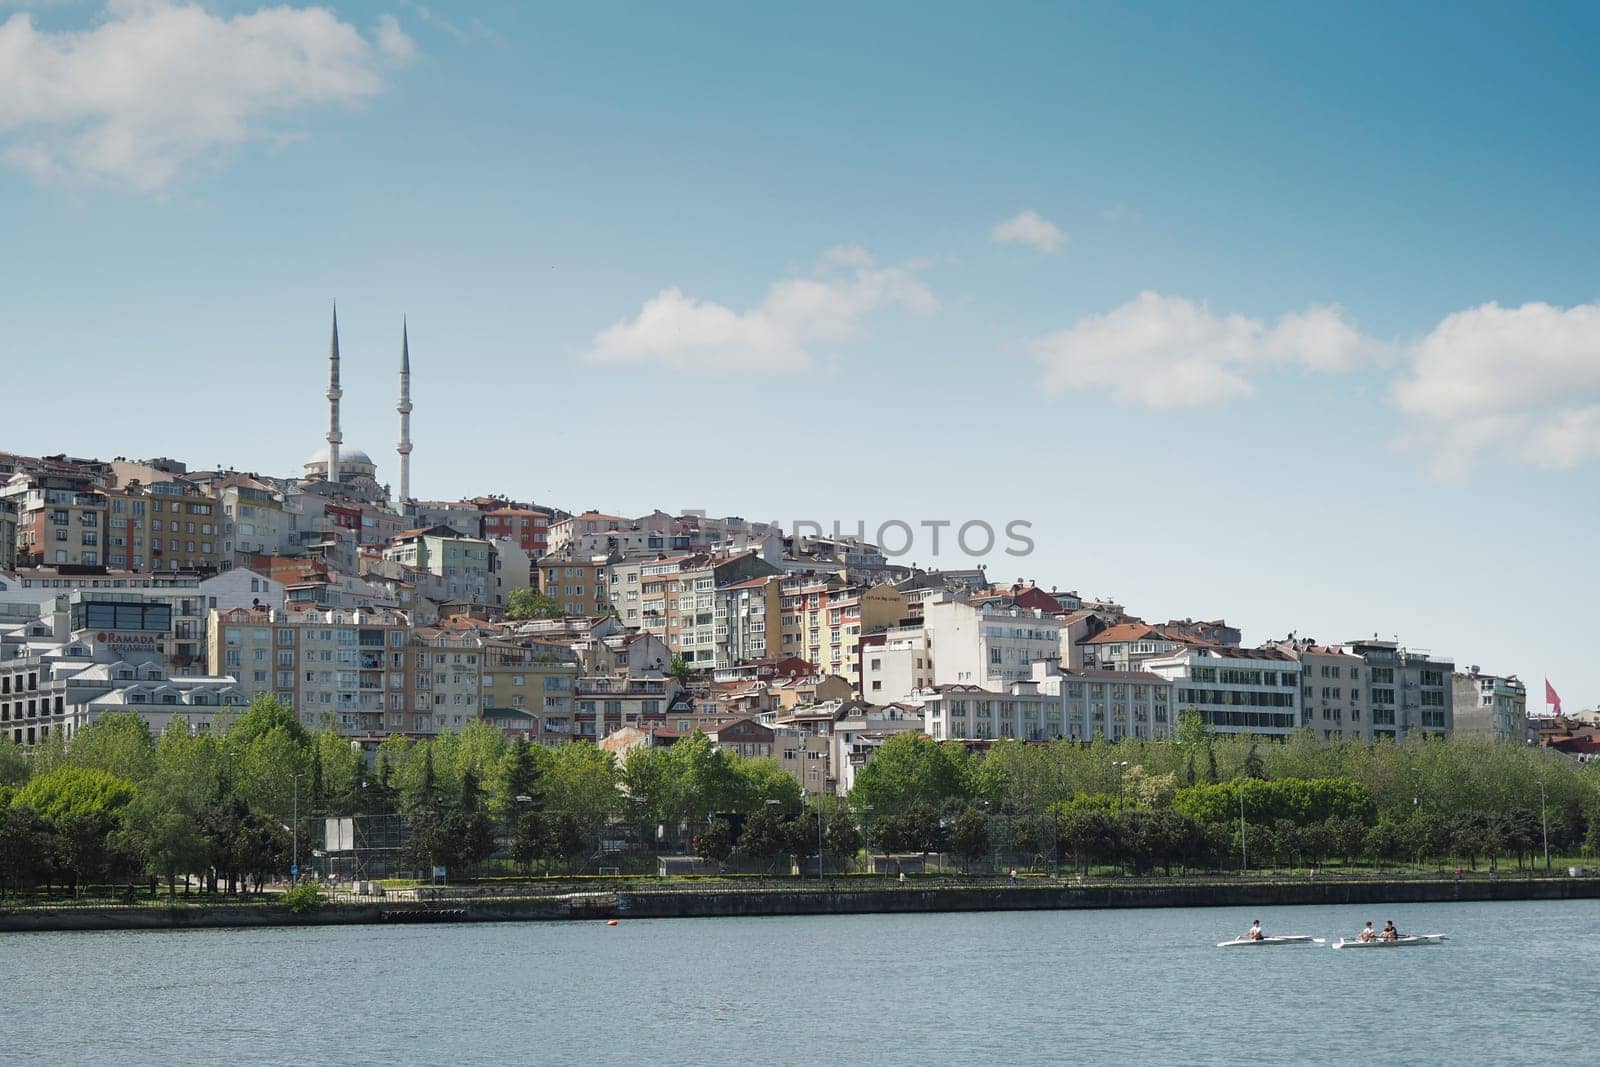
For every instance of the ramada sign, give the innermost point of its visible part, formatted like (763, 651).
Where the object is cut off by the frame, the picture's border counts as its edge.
(126, 640)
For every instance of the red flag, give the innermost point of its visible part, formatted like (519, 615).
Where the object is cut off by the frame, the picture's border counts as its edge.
(1551, 697)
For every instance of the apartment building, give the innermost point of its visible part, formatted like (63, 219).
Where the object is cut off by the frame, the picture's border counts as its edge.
(254, 522)
(578, 583)
(344, 669)
(694, 629)
(1235, 690)
(529, 529)
(8, 534)
(531, 680)
(446, 679)
(1125, 646)
(61, 519)
(1489, 705)
(975, 644)
(56, 686)
(746, 613)
(163, 526)
(1409, 691)
(468, 566)
(1332, 689)
(967, 712)
(1111, 704)
(895, 663)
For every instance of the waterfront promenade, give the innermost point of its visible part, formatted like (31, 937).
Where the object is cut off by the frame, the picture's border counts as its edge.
(622, 898)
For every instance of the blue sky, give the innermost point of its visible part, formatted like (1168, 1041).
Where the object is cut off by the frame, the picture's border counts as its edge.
(747, 260)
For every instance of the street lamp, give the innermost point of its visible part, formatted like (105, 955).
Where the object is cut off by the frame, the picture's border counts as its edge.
(1544, 822)
(294, 835)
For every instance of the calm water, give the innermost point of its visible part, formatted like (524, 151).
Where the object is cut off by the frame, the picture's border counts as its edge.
(1041, 987)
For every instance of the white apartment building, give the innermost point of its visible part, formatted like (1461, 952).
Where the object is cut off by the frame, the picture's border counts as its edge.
(742, 612)
(965, 712)
(1235, 690)
(1109, 704)
(1490, 705)
(895, 664)
(973, 645)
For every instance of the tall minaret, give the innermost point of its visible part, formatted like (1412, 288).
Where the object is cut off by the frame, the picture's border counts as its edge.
(334, 393)
(404, 408)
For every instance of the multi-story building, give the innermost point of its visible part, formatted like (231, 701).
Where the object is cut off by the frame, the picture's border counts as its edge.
(8, 534)
(469, 566)
(54, 686)
(1125, 646)
(530, 529)
(531, 680)
(849, 614)
(1111, 704)
(163, 526)
(1235, 690)
(61, 520)
(694, 628)
(966, 712)
(345, 669)
(1408, 690)
(895, 663)
(1332, 689)
(982, 645)
(606, 704)
(746, 614)
(1489, 705)
(578, 583)
(254, 522)
(446, 679)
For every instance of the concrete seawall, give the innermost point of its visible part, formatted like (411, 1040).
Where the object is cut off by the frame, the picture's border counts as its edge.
(712, 902)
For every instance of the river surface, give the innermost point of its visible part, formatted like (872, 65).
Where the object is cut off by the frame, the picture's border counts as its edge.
(1135, 986)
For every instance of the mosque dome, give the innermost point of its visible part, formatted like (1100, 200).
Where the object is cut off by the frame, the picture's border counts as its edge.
(348, 457)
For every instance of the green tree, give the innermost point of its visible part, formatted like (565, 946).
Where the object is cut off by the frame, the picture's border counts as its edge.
(567, 839)
(24, 848)
(531, 604)
(843, 835)
(116, 742)
(714, 841)
(529, 839)
(970, 837)
(909, 769)
(764, 834)
(680, 668)
(519, 787)
(72, 790)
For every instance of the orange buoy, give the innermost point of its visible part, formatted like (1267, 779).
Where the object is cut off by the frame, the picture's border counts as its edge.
(611, 922)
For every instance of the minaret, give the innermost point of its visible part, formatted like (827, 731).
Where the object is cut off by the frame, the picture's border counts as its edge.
(404, 408)
(334, 393)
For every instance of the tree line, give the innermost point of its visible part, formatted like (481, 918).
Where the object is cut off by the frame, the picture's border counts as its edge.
(217, 810)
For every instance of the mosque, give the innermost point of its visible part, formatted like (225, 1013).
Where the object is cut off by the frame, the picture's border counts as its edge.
(350, 472)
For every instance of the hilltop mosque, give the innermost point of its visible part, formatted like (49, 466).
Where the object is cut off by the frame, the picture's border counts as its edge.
(350, 472)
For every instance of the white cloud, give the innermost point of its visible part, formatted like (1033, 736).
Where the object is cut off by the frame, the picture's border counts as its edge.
(1028, 228)
(1168, 352)
(1523, 381)
(157, 84)
(682, 333)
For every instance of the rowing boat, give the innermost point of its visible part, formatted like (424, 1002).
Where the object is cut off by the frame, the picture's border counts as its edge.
(1277, 939)
(1408, 941)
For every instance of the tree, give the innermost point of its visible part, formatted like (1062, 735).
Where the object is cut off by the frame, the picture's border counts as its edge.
(525, 604)
(264, 714)
(24, 843)
(680, 668)
(764, 834)
(843, 835)
(72, 790)
(519, 788)
(715, 842)
(13, 763)
(970, 838)
(117, 742)
(529, 839)
(1253, 766)
(568, 839)
(910, 769)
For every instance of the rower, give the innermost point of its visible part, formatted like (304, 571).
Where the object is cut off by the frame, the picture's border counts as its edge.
(1367, 934)
(1389, 932)
(1254, 933)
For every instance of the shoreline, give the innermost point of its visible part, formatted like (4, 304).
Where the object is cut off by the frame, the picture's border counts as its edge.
(827, 899)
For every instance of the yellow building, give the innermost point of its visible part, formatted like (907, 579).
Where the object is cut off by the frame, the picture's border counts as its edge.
(166, 526)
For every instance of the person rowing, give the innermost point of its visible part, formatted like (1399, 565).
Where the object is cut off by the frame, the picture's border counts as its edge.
(1254, 933)
(1368, 933)
(1389, 931)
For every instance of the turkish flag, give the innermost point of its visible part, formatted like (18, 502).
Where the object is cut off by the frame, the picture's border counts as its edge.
(1550, 696)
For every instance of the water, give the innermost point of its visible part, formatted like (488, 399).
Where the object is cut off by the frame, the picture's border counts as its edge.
(1012, 988)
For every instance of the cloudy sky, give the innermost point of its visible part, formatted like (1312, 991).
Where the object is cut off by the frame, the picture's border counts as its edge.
(1284, 316)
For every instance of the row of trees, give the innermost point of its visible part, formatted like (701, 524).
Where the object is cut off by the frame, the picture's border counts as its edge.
(219, 809)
